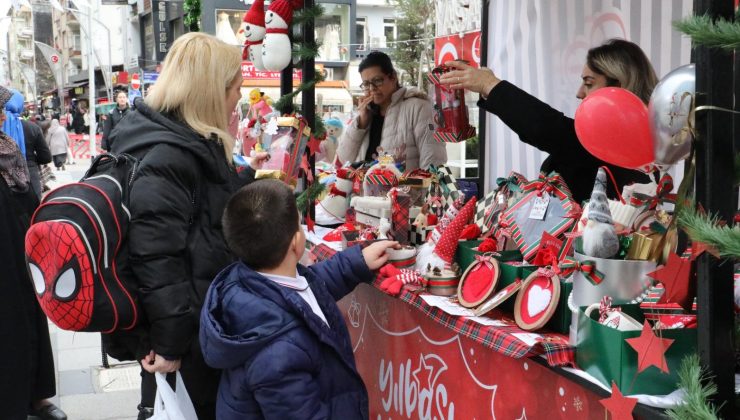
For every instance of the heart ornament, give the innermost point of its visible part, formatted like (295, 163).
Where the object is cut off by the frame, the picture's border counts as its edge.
(537, 300)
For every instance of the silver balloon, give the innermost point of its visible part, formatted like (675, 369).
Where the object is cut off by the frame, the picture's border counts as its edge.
(671, 115)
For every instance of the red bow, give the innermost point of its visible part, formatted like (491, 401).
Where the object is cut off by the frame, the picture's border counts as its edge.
(552, 184)
(605, 307)
(484, 260)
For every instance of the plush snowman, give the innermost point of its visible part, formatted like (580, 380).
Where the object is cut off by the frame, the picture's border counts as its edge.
(276, 48)
(254, 33)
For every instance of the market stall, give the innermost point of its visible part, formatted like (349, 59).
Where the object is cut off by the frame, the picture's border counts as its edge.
(518, 301)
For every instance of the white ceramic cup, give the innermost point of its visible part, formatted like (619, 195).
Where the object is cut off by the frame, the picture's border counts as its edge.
(616, 319)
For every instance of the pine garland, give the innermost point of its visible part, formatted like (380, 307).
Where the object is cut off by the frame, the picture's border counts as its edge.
(192, 15)
(714, 34)
(698, 386)
(309, 195)
(306, 50)
(308, 14)
(706, 228)
(286, 101)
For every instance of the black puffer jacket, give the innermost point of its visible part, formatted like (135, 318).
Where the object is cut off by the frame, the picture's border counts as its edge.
(176, 244)
(114, 117)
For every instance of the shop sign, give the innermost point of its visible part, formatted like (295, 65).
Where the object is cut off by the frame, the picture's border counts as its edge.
(150, 77)
(250, 72)
(455, 47)
(162, 35)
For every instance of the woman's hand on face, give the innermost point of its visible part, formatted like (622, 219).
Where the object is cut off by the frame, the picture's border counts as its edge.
(363, 109)
(466, 77)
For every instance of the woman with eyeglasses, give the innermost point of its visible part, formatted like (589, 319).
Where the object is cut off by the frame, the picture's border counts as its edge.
(394, 118)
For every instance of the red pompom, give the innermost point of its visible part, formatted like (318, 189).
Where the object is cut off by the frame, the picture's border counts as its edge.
(470, 232)
(488, 245)
(432, 219)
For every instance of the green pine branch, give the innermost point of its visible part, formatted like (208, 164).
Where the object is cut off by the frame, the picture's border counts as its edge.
(306, 50)
(192, 15)
(309, 14)
(309, 195)
(699, 387)
(714, 34)
(286, 101)
(705, 228)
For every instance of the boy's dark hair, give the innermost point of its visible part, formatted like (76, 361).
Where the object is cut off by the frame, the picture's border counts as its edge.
(378, 59)
(259, 223)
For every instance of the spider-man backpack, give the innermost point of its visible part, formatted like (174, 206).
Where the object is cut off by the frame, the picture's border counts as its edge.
(76, 250)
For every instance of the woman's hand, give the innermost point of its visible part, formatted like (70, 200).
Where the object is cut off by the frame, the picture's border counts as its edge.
(259, 158)
(153, 362)
(363, 110)
(466, 77)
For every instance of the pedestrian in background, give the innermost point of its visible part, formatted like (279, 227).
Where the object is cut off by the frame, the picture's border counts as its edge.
(114, 117)
(58, 141)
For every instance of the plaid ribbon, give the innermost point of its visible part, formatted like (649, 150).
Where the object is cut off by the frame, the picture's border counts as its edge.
(554, 346)
(485, 260)
(588, 268)
(511, 183)
(400, 204)
(552, 184)
(662, 194)
(382, 177)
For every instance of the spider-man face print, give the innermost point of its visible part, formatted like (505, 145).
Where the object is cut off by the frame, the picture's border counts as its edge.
(61, 272)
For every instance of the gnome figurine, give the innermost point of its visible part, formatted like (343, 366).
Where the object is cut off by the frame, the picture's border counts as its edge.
(276, 49)
(599, 236)
(254, 32)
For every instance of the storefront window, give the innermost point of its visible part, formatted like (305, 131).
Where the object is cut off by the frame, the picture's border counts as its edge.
(389, 30)
(332, 29)
(361, 33)
(228, 25)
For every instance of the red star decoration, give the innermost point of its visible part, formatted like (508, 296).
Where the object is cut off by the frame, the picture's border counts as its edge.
(618, 405)
(698, 248)
(675, 278)
(313, 145)
(650, 349)
(307, 168)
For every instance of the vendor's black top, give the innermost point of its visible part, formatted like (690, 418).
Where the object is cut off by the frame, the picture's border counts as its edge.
(549, 130)
(176, 245)
(376, 134)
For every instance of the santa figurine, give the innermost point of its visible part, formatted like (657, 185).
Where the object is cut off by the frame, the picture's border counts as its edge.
(276, 48)
(254, 32)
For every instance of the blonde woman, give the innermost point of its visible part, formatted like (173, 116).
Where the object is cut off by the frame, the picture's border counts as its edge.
(185, 177)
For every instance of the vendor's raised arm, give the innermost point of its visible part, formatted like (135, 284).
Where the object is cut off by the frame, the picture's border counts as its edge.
(464, 76)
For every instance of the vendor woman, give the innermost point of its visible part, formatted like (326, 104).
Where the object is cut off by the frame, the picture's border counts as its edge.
(396, 118)
(616, 63)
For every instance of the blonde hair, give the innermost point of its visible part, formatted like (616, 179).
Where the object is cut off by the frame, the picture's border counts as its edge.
(195, 75)
(625, 65)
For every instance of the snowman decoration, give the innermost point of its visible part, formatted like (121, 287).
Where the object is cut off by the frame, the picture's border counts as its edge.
(254, 33)
(276, 48)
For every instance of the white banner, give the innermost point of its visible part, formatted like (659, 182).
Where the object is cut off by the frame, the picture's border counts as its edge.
(541, 47)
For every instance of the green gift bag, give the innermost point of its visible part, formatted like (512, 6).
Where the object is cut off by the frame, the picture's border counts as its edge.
(603, 352)
(465, 254)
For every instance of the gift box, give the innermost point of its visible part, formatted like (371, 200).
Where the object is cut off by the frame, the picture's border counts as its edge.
(286, 147)
(417, 182)
(546, 206)
(418, 235)
(603, 352)
(442, 191)
(450, 112)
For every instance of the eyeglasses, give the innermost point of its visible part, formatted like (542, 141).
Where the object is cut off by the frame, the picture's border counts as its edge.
(376, 83)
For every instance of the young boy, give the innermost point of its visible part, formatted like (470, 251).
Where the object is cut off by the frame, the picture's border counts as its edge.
(273, 325)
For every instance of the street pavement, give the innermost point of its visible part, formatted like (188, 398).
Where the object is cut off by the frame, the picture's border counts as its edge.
(85, 390)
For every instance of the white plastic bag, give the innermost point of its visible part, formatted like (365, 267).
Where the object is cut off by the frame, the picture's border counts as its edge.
(170, 404)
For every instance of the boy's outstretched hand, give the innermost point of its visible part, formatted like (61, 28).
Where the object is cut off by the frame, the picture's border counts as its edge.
(375, 256)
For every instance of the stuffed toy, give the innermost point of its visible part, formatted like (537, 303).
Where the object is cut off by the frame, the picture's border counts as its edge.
(599, 236)
(394, 279)
(260, 105)
(277, 51)
(337, 200)
(328, 147)
(254, 33)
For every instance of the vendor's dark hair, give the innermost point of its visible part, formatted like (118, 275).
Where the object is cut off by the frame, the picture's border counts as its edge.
(378, 59)
(259, 223)
(625, 65)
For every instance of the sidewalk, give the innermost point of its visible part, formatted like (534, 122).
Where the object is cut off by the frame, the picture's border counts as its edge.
(86, 391)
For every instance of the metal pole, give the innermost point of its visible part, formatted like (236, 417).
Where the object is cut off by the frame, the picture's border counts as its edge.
(91, 81)
(308, 98)
(714, 191)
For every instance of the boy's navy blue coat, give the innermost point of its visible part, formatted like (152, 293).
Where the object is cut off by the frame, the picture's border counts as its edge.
(279, 359)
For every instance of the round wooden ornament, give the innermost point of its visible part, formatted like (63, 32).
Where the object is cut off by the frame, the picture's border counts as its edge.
(478, 281)
(537, 300)
(500, 297)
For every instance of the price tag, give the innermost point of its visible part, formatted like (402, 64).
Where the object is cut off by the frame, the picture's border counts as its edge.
(539, 207)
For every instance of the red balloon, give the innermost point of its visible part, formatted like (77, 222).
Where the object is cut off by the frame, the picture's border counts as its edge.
(613, 125)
